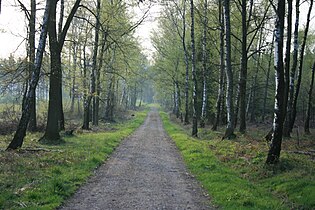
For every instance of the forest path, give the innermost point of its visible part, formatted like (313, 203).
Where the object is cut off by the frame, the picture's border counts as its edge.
(145, 172)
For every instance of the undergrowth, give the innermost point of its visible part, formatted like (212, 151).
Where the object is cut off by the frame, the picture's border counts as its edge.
(42, 176)
(234, 171)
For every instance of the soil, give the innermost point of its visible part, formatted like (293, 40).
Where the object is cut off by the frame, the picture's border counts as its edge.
(145, 172)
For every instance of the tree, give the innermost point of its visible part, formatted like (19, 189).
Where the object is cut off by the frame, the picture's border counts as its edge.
(204, 65)
(193, 64)
(24, 120)
(229, 132)
(55, 119)
(309, 104)
(300, 70)
(276, 140)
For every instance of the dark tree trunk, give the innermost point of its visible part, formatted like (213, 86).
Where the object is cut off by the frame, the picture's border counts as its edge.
(288, 119)
(243, 72)
(287, 57)
(229, 132)
(221, 82)
(94, 66)
(19, 135)
(309, 104)
(33, 123)
(186, 59)
(55, 119)
(298, 84)
(204, 66)
(276, 140)
(193, 64)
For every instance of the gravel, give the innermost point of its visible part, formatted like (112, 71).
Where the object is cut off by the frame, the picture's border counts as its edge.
(145, 172)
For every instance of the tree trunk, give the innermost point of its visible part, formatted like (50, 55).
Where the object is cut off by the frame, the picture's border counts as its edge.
(298, 84)
(288, 119)
(221, 82)
(186, 118)
(55, 119)
(19, 135)
(31, 41)
(229, 132)
(94, 65)
(267, 82)
(243, 72)
(204, 66)
(276, 140)
(193, 64)
(309, 104)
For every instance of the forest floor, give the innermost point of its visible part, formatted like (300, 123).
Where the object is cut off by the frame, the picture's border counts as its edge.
(145, 172)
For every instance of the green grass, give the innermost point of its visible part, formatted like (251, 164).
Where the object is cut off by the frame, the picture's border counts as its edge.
(234, 174)
(42, 176)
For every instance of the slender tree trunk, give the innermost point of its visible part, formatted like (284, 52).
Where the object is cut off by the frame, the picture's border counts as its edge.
(287, 58)
(298, 84)
(276, 140)
(221, 82)
(267, 82)
(193, 64)
(229, 132)
(95, 69)
(20, 133)
(243, 72)
(288, 119)
(86, 101)
(204, 66)
(309, 104)
(33, 123)
(186, 118)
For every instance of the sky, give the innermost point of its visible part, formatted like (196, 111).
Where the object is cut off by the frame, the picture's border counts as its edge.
(13, 27)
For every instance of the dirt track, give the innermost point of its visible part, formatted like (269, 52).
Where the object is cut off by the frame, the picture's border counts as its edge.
(145, 172)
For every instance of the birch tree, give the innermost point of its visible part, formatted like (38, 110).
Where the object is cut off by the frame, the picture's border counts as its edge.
(20, 133)
(276, 140)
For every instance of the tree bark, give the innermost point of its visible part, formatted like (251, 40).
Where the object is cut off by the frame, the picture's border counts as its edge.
(55, 119)
(300, 70)
(221, 80)
(31, 41)
(193, 67)
(309, 104)
(288, 119)
(94, 66)
(276, 140)
(186, 60)
(229, 132)
(20, 133)
(204, 66)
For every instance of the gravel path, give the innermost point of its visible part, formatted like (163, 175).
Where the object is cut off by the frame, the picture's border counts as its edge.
(145, 172)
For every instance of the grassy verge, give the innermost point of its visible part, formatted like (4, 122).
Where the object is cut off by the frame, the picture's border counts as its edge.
(234, 174)
(42, 176)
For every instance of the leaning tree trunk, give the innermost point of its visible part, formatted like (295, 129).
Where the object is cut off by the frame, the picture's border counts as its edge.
(204, 66)
(276, 140)
(31, 53)
(20, 133)
(193, 67)
(298, 84)
(288, 119)
(229, 132)
(309, 104)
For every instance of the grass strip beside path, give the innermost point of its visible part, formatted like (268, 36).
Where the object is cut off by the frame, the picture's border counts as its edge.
(225, 186)
(42, 176)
